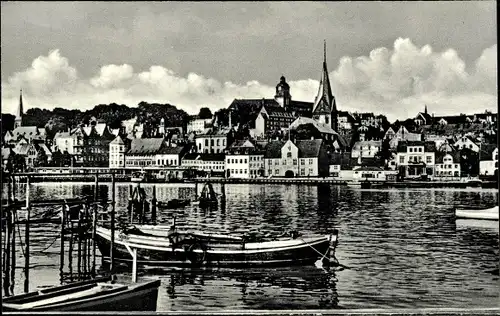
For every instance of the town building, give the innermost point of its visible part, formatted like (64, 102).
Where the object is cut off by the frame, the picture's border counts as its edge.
(416, 158)
(423, 118)
(302, 158)
(367, 148)
(488, 160)
(32, 134)
(244, 160)
(214, 141)
(272, 118)
(117, 151)
(447, 165)
(199, 125)
(468, 142)
(346, 121)
(403, 135)
(205, 163)
(71, 142)
(153, 152)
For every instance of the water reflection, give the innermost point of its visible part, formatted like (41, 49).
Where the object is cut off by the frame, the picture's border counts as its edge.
(402, 247)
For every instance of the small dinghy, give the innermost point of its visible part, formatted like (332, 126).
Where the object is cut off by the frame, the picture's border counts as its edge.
(487, 214)
(207, 198)
(100, 294)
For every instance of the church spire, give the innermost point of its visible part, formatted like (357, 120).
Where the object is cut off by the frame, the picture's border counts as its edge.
(425, 111)
(324, 103)
(19, 114)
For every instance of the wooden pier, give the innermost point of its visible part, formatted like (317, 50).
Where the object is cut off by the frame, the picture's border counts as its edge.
(77, 217)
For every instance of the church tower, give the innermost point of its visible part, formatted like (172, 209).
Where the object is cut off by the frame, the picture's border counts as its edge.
(325, 108)
(19, 115)
(283, 96)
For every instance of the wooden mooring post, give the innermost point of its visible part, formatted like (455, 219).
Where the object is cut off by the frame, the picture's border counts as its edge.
(113, 202)
(153, 206)
(27, 239)
(7, 250)
(61, 253)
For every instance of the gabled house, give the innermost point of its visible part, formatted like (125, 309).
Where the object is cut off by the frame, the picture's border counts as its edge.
(416, 158)
(488, 160)
(468, 142)
(447, 165)
(301, 158)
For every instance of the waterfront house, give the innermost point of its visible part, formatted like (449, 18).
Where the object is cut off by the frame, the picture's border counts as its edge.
(153, 152)
(117, 151)
(96, 144)
(488, 164)
(447, 165)
(31, 153)
(244, 160)
(416, 158)
(302, 158)
(368, 172)
(319, 131)
(72, 142)
(468, 142)
(389, 134)
(339, 161)
(367, 148)
(204, 163)
(214, 141)
(485, 118)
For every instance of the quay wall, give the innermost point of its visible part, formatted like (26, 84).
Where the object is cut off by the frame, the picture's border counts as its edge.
(304, 181)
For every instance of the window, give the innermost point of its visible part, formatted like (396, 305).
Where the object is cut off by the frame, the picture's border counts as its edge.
(302, 172)
(420, 150)
(276, 171)
(311, 171)
(289, 154)
(295, 161)
(411, 149)
(401, 159)
(310, 161)
(218, 142)
(302, 162)
(206, 142)
(283, 162)
(245, 160)
(428, 159)
(211, 142)
(456, 166)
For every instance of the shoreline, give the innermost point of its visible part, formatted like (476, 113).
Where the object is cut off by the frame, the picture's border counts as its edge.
(37, 178)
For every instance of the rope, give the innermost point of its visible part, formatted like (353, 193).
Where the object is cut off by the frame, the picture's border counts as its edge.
(322, 255)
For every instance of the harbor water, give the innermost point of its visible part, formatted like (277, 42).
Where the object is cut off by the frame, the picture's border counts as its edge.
(400, 248)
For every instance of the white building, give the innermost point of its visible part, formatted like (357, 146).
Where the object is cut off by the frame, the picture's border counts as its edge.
(488, 164)
(209, 163)
(366, 149)
(72, 142)
(403, 135)
(447, 166)
(198, 125)
(244, 160)
(117, 152)
(214, 142)
(416, 158)
(152, 152)
(467, 142)
(302, 158)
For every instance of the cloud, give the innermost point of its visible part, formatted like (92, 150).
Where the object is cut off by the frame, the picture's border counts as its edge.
(396, 81)
(112, 75)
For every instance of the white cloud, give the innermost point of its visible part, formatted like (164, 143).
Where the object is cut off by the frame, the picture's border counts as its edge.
(112, 75)
(396, 82)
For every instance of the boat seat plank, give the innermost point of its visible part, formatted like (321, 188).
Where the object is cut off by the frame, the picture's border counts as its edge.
(43, 296)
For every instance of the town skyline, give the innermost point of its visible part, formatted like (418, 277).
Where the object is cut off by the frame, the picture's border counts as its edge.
(394, 76)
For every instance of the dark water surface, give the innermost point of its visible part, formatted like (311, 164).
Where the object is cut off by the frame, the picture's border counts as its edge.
(403, 248)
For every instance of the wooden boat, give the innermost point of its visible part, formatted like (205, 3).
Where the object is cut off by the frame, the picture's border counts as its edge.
(208, 197)
(488, 214)
(100, 294)
(174, 203)
(163, 246)
(360, 184)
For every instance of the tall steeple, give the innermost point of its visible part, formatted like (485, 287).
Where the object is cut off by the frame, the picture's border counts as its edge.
(425, 111)
(324, 108)
(19, 115)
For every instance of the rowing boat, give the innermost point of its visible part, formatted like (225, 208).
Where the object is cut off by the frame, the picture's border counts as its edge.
(100, 294)
(160, 246)
(488, 214)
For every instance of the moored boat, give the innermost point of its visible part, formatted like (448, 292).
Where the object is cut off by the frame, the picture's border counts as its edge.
(487, 214)
(100, 294)
(207, 198)
(138, 176)
(161, 246)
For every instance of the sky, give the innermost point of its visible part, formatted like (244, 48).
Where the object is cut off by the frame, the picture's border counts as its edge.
(391, 58)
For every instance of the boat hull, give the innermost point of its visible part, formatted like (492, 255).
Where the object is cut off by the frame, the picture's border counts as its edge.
(486, 214)
(213, 254)
(141, 297)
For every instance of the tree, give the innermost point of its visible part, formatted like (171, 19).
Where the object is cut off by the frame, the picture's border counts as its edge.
(41, 158)
(385, 153)
(205, 113)
(18, 163)
(469, 162)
